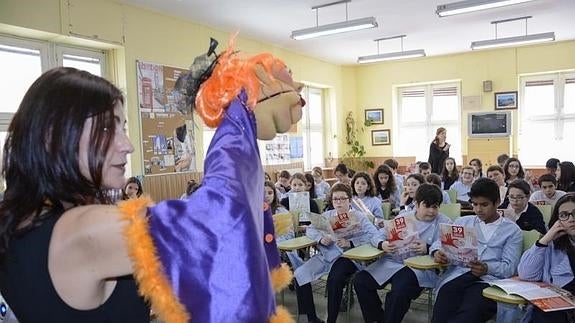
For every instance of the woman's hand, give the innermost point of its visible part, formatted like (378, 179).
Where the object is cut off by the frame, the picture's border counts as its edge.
(556, 231)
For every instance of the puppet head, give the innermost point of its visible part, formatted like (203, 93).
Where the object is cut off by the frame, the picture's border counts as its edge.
(215, 81)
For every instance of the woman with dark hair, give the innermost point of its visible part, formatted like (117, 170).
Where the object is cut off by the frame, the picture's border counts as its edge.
(566, 176)
(342, 173)
(385, 185)
(552, 258)
(61, 251)
(133, 189)
(477, 168)
(450, 174)
(310, 185)
(438, 150)
(513, 170)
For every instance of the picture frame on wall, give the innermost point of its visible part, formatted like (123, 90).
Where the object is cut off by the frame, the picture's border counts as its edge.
(506, 100)
(374, 116)
(381, 137)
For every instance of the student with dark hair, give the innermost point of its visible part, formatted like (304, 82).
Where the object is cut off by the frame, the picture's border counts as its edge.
(425, 169)
(551, 165)
(406, 283)
(463, 186)
(566, 176)
(477, 167)
(283, 184)
(399, 179)
(495, 173)
(362, 188)
(513, 170)
(450, 174)
(436, 180)
(408, 197)
(548, 194)
(341, 172)
(502, 159)
(310, 186)
(526, 215)
(459, 291)
(551, 259)
(298, 184)
(385, 187)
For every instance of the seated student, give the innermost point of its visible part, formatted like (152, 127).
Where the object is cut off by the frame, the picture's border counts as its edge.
(450, 174)
(321, 186)
(328, 259)
(551, 165)
(551, 259)
(463, 186)
(424, 168)
(548, 194)
(341, 172)
(436, 180)
(459, 291)
(408, 197)
(477, 168)
(502, 159)
(310, 185)
(495, 173)
(566, 176)
(525, 214)
(406, 283)
(362, 187)
(282, 185)
(385, 186)
(399, 180)
(298, 184)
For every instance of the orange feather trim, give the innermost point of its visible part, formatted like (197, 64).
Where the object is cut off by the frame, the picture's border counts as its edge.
(148, 270)
(282, 316)
(281, 277)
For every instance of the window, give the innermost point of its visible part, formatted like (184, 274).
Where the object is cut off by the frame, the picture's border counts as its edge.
(312, 128)
(547, 113)
(421, 110)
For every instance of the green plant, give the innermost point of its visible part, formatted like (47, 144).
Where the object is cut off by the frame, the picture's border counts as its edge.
(354, 157)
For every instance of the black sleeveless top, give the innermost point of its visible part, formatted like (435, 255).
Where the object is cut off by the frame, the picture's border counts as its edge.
(27, 287)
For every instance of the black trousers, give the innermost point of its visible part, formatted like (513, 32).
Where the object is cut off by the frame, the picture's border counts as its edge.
(305, 303)
(461, 300)
(404, 289)
(340, 273)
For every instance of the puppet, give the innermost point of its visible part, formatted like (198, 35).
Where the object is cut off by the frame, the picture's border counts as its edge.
(213, 256)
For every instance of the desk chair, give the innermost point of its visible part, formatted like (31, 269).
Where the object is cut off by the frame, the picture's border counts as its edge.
(546, 210)
(424, 262)
(320, 204)
(452, 195)
(386, 206)
(452, 210)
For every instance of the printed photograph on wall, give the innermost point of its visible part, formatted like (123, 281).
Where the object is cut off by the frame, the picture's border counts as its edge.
(380, 137)
(506, 100)
(374, 116)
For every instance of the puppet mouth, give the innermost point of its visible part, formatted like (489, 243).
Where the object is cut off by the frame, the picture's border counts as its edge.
(301, 101)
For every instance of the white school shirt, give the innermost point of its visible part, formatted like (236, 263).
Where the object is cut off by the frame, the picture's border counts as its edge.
(540, 196)
(488, 228)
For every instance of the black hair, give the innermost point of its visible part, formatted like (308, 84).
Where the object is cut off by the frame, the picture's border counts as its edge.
(433, 179)
(275, 203)
(424, 165)
(547, 178)
(562, 243)
(311, 181)
(136, 181)
(285, 174)
(41, 165)
(501, 159)
(418, 177)
(520, 174)
(429, 194)
(337, 187)
(447, 176)
(392, 163)
(370, 186)
(567, 176)
(390, 185)
(493, 168)
(521, 185)
(487, 188)
(342, 168)
(479, 163)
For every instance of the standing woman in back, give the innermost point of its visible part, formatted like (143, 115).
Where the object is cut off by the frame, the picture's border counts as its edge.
(62, 255)
(438, 150)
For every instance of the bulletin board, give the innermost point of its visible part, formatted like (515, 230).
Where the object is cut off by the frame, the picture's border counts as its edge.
(167, 129)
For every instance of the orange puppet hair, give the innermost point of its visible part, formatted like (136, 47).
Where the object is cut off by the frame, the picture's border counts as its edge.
(230, 75)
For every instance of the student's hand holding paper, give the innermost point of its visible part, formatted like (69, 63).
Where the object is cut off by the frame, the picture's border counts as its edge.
(478, 268)
(326, 240)
(388, 247)
(343, 243)
(440, 257)
(419, 247)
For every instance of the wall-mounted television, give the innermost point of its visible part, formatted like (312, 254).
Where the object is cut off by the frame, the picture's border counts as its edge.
(489, 124)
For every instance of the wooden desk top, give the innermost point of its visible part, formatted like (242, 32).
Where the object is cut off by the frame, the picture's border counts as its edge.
(363, 252)
(421, 262)
(296, 243)
(499, 295)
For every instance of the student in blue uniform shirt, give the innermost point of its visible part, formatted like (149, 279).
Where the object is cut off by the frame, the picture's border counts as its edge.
(406, 283)
(459, 292)
(363, 188)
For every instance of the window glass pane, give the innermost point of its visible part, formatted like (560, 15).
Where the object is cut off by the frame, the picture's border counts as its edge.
(569, 103)
(445, 107)
(536, 137)
(19, 68)
(316, 145)
(413, 109)
(539, 101)
(314, 106)
(89, 64)
(411, 142)
(208, 135)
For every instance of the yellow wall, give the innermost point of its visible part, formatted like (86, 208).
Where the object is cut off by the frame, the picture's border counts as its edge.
(375, 83)
(153, 37)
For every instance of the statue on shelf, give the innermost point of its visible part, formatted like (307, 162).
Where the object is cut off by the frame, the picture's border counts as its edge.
(349, 127)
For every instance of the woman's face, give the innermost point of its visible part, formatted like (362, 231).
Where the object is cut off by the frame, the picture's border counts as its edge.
(297, 185)
(442, 135)
(269, 194)
(450, 165)
(340, 202)
(569, 224)
(517, 199)
(132, 190)
(341, 177)
(383, 178)
(360, 186)
(307, 186)
(317, 178)
(116, 157)
(513, 168)
(558, 173)
(411, 186)
(475, 166)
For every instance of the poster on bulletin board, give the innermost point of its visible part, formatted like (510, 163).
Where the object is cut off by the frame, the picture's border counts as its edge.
(167, 128)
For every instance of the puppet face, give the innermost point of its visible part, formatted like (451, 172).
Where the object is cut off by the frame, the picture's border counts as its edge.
(280, 104)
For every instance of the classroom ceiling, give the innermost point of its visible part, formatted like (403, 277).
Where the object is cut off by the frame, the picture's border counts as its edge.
(272, 21)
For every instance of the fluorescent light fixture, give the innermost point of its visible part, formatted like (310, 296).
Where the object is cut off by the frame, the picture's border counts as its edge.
(460, 7)
(391, 56)
(513, 41)
(336, 28)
